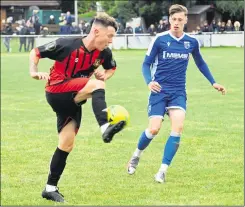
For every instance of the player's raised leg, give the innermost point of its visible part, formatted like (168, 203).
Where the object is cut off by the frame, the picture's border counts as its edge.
(177, 117)
(96, 90)
(58, 162)
(146, 137)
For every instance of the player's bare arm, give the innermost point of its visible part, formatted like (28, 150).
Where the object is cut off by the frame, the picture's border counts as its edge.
(34, 60)
(154, 86)
(220, 88)
(104, 74)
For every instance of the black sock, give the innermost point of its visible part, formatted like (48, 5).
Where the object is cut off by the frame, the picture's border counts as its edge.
(57, 166)
(98, 104)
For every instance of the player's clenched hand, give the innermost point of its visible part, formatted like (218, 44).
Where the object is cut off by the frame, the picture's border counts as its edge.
(99, 75)
(220, 88)
(154, 86)
(40, 75)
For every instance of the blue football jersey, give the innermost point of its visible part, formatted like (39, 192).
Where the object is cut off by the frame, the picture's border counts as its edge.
(169, 57)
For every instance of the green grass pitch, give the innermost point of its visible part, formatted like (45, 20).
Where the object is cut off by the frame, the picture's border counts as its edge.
(207, 170)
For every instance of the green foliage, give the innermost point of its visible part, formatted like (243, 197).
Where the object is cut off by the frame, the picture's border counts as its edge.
(88, 14)
(235, 8)
(151, 10)
(86, 6)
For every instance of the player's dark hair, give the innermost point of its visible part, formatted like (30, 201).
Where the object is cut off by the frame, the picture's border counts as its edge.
(176, 8)
(105, 20)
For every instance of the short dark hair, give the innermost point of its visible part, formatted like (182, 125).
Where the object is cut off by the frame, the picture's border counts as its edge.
(176, 8)
(105, 20)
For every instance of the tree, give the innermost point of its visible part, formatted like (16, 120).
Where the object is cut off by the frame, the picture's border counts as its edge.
(86, 6)
(234, 8)
(151, 10)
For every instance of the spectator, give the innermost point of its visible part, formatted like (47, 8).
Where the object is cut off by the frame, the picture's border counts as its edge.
(51, 20)
(138, 29)
(218, 26)
(222, 27)
(7, 30)
(44, 31)
(37, 26)
(30, 40)
(229, 26)
(152, 30)
(87, 27)
(68, 18)
(23, 31)
(205, 27)
(65, 29)
(128, 29)
(213, 26)
(120, 28)
(198, 30)
(237, 26)
(161, 27)
(61, 19)
(75, 29)
(167, 25)
(34, 18)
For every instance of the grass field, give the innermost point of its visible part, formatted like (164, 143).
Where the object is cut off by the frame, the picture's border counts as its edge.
(207, 170)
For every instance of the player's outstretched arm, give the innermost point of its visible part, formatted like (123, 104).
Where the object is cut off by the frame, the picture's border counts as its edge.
(34, 60)
(203, 67)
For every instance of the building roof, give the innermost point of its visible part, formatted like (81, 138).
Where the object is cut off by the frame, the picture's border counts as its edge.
(198, 9)
(30, 3)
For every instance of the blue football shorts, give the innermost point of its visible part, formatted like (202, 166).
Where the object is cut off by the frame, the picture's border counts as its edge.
(159, 103)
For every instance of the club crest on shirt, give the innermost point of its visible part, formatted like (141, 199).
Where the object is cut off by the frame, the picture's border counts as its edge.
(96, 63)
(187, 45)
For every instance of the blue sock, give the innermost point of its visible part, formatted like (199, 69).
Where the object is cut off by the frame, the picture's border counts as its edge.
(171, 148)
(145, 139)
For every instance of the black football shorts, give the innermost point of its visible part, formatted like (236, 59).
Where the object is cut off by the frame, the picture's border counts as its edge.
(65, 108)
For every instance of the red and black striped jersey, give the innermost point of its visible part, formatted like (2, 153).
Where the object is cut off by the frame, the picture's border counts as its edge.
(72, 59)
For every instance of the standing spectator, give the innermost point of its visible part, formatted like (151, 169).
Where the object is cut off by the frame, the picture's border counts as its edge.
(138, 29)
(213, 26)
(23, 31)
(34, 18)
(37, 26)
(218, 26)
(229, 26)
(237, 26)
(51, 20)
(7, 31)
(128, 29)
(30, 40)
(152, 30)
(68, 18)
(222, 27)
(120, 28)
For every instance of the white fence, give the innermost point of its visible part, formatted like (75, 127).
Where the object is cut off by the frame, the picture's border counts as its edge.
(141, 41)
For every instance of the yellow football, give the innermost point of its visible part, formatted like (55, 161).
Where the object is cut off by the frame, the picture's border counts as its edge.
(117, 113)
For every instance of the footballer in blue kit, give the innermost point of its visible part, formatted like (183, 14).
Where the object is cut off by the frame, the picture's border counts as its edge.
(164, 71)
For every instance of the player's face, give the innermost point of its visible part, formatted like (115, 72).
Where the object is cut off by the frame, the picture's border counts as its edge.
(178, 21)
(104, 37)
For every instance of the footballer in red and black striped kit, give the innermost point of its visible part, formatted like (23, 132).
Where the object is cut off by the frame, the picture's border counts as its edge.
(69, 86)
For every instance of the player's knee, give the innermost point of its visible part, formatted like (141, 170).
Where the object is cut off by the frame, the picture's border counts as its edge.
(178, 129)
(154, 131)
(66, 147)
